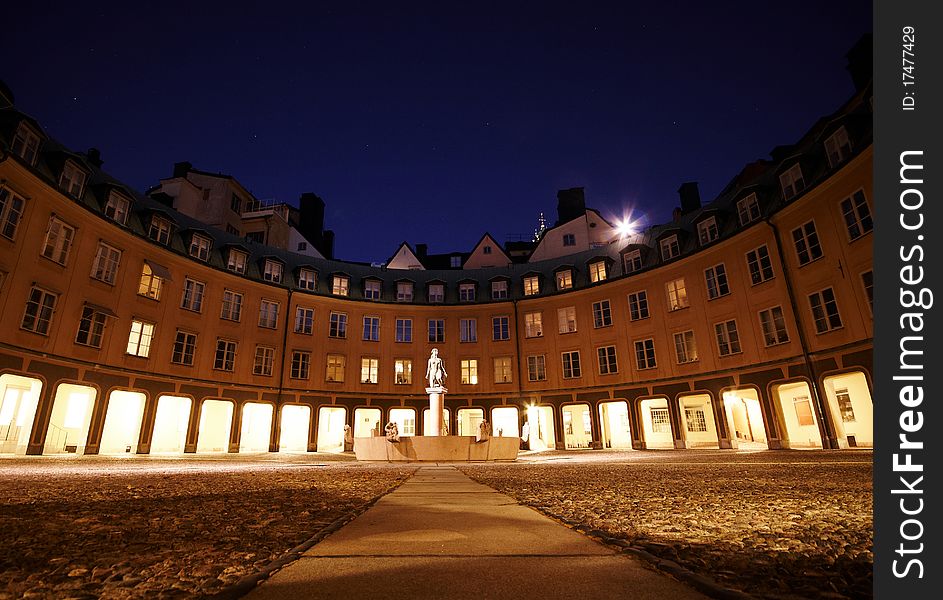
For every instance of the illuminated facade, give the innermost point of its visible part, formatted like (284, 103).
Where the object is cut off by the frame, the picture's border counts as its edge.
(131, 327)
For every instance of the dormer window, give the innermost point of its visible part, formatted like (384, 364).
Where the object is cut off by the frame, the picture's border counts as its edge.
(237, 261)
(531, 285)
(340, 285)
(307, 279)
(564, 280)
(200, 247)
(670, 247)
(499, 290)
(748, 209)
(569, 239)
(26, 144)
(272, 271)
(72, 180)
(838, 147)
(116, 208)
(632, 261)
(372, 289)
(792, 182)
(436, 292)
(159, 231)
(707, 231)
(455, 262)
(597, 271)
(404, 291)
(466, 292)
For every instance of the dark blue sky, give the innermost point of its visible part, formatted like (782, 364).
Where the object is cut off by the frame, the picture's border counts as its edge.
(435, 122)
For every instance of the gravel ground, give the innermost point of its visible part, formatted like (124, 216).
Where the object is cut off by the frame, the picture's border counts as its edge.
(773, 524)
(163, 528)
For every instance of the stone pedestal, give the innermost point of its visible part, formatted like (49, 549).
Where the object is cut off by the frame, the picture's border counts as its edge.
(436, 406)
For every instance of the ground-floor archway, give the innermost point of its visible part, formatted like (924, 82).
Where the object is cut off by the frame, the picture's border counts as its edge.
(19, 397)
(697, 421)
(70, 418)
(852, 409)
(122, 428)
(577, 426)
(170, 425)
(427, 421)
(215, 426)
(405, 419)
(367, 422)
(539, 424)
(256, 429)
(656, 423)
(505, 421)
(469, 420)
(614, 425)
(296, 420)
(331, 421)
(745, 419)
(797, 413)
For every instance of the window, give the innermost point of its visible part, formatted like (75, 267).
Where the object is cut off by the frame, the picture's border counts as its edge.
(502, 369)
(728, 341)
(566, 319)
(437, 292)
(807, 243)
(716, 277)
(232, 306)
(404, 330)
(11, 210)
(200, 247)
(307, 279)
(300, 364)
(569, 239)
(531, 285)
(468, 330)
(237, 261)
(337, 325)
(369, 369)
(192, 295)
(371, 329)
(116, 208)
(184, 347)
(607, 360)
(403, 371)
(857, 215)
(336, 364)
(632, 261)
(225, 355)
(670, 247)
(533, 325)
(466, 292)
(695, 419)
(272, 271)
(268, 314)
(372, 289)
(602, 315)
(761, 269)
(340, 285)
(792, 182)
(597, 271)
(91, 328)
(685, 347)
(486, 250)
(501, 328)
(105, 266)
(232, 230)
(25, 144)
(256, 236)
(660, 422)
(58, 240)
(159, 230)
(404, 291)
(707, 231)
(436, 330)
(304, 320)
(150, 284)
(564, 279)
(139, 340)
(72, 180)
(469, 371)
(571, 365)
(645, 354)
(536, 368)
(499, 290)
(844, 405)
(773, 324)
(838, 147)
(455, 262)
(638, 306)
(803, 411)
(825, 311)
(235, 204)
(677, 295)
(264, 360)
(867, 280)
(748, 209)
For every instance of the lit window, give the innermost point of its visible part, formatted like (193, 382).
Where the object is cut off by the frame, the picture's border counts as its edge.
(645, 354)
(607, 360)
(468, 330)
(436, 330)
(469, 371)
(272, 271)
(11, 210)
(336, 364)
(867, 280)
(844, 405)
(571, 365)
(117, 207)
(466, 292)
(792, 182)
(200, 247)
(340, 285)
(225, 359)
(268, 314)
(231, 309)
(838, 147)
(569, 239)
(566, 319)
(716, 277)
(748, 209)
(564, 279)
(403, 371)
(436, 292)
(761, 268)
(685, 348)
(337, 327)
(533, 325)
(91, 328)
(159, 230)
(72, 180)
(773, 324)
(307, 279)
(728, 340)
(670, 247)
(25, 144)
(304, 320)
(372, 289)
(695, 419)
(502, 369)
(602, 314)
(536, 368)
(105, 265)
(707, 231)
(192, 295)
(501, 329)
(371, 329)
(660, 421)
(369, 370)
(300, 364)
(150, 284)
(638, 306)
(404, 330)
(807, 243)
(264, 361)
(677, 294)
(857, 215)
(139, 340)
(499, 290)
(404, 291)
(531, 285)
(597, 271)
(237, 261)
(184, 348)
(825, 311)
(632, 261)
(58, 241)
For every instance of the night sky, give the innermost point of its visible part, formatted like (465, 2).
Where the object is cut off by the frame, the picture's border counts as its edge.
(433, 123)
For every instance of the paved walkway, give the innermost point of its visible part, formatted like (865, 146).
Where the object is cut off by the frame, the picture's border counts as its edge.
(441, 535)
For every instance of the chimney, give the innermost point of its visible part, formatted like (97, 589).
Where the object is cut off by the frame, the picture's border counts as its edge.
(94, 156)
(676, 215)
(422, 250)
(861, 62)
(571, 203)
(690, 197)
(327, 244)
(311, 217)
(181, 169)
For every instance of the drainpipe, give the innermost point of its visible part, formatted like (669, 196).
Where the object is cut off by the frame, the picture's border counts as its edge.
(517, 350)
(820, 411)
(281, 368)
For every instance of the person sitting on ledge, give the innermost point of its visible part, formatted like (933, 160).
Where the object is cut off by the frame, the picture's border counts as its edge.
(392, 432)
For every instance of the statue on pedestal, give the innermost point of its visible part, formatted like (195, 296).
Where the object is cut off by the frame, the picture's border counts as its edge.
(435, 371)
